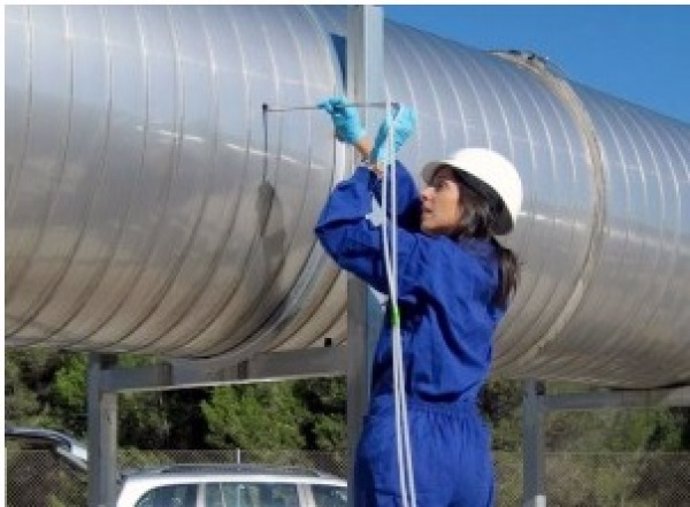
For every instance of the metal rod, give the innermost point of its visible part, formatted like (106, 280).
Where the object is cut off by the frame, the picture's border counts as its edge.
(269, 109)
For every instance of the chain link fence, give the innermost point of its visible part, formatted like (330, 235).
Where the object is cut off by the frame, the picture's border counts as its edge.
(36, 478)
(40, 478)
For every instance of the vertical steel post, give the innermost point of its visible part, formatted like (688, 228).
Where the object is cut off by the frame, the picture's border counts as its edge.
(364, 84)
(102, 434)
(533, 414)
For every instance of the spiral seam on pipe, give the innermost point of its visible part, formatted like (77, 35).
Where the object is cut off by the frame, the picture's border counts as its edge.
(51, 290)
(596, 349)
(646, 300)
(231, 286)
(538, 320)
(125, 215)
(174, 265)
(16, 281)
(182, 307)
(93, 282)
(580, 115)
(10, 190)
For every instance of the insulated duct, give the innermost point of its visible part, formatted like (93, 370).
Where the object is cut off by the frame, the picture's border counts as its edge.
(152, 208)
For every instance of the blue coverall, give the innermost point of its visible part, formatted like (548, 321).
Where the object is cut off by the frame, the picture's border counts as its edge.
(446, 290)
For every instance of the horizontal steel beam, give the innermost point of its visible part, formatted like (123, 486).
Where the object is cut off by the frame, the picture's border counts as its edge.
(667, 397)
(272, 366)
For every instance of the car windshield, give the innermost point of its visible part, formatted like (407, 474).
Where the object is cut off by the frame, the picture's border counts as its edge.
(251, 495)
(177, 495)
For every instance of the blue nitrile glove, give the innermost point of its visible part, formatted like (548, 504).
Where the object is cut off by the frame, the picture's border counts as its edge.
(404, 122)
(345, 118)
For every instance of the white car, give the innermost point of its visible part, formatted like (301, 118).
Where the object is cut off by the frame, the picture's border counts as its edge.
(231, 486)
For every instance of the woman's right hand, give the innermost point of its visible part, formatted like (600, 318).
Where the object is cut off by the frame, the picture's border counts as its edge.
(348, 127)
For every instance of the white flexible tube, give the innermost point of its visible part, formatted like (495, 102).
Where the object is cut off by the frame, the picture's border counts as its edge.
(401, 365)
(392, 296)
(390, 249)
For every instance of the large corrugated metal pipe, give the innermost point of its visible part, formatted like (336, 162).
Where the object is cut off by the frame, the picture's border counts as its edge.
(152, 207)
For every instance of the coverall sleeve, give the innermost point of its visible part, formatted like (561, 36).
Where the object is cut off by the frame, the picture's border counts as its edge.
(408, 202)
(355, 244)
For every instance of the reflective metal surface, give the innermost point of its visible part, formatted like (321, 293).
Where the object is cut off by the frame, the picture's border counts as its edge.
(152, 207)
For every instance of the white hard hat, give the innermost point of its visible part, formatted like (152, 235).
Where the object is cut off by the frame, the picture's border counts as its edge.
(491, 169)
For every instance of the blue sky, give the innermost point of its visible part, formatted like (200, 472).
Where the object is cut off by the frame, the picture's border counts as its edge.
(637, 53)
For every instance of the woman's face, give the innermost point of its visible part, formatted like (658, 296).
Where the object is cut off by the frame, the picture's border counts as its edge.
(441, 205)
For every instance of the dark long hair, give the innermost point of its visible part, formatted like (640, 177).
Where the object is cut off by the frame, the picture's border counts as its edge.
(479, 212)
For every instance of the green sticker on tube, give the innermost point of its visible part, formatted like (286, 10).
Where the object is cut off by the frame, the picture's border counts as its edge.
(395, 316)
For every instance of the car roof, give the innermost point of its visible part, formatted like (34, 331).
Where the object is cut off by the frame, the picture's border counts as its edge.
(214, 472)
(67, 446)
(48, 436)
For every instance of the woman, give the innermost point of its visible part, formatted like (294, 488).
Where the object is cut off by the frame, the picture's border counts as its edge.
(455, 283)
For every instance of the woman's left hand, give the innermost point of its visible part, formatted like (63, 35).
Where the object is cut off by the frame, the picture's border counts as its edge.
(404, 123)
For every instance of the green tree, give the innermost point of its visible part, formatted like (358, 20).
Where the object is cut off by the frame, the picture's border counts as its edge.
(683, 414)
(255, 416)
(67, 395)
(326, 401)
(160, 419)
(21, 403)
(612, 430)
(500, 402)
(29, 375)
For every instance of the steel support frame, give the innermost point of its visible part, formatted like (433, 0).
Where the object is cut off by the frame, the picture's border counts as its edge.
(106, 380)
(102, 433)
(537, 404)
(533, 459)
(269, 366)
(365, 83)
